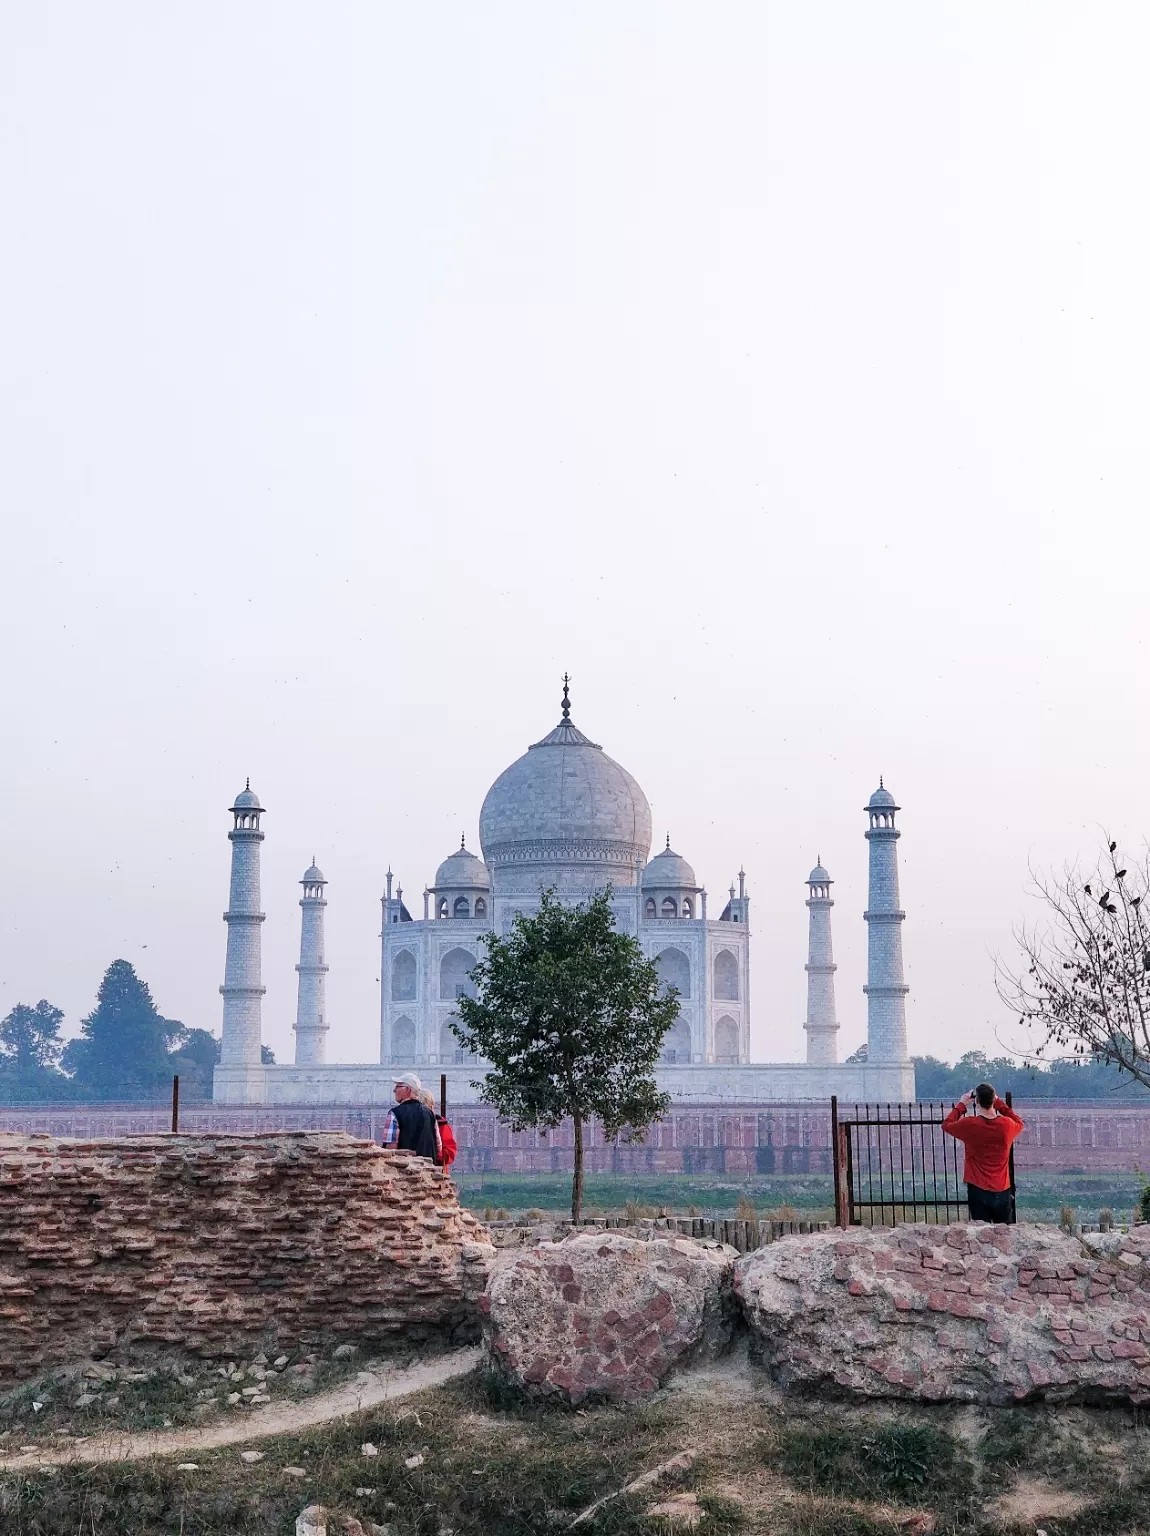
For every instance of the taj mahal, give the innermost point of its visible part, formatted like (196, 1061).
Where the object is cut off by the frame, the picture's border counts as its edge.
(568, 818)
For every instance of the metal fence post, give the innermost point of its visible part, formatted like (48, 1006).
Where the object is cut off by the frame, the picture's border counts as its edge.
(443, 1095)
(1010, 1165)
(176, 1102)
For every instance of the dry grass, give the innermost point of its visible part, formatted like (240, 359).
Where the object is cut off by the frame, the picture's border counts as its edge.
(495, 1466)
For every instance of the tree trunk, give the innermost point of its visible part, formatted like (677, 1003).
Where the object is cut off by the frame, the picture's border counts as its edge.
(577, 1177)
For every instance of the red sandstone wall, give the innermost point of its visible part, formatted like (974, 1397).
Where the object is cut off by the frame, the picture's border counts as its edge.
(224, 1244)
(763, 1138)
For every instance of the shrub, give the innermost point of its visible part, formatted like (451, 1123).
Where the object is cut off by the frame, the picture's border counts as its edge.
(896, 1459)
(1066, 1218)
(1105, 1218)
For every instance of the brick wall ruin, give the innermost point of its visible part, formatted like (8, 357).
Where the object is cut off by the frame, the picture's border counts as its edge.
(224, 1244)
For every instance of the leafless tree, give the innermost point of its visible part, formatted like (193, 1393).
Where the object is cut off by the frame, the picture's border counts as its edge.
(1083, 982)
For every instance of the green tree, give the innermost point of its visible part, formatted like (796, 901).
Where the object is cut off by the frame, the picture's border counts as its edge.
(571, 1017)
(124, 1045)
(194, 1061)
(30, 1050)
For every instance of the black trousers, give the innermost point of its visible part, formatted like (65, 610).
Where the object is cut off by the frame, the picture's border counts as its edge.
(988, 1204)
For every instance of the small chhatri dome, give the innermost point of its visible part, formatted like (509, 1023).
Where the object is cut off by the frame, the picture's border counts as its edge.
(462, 871)
(247, 799)
(669, 871)
(882, 799)
(818, 875)
(313, 875)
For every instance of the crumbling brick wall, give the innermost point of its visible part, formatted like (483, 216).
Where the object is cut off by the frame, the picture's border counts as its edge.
(218, 1244)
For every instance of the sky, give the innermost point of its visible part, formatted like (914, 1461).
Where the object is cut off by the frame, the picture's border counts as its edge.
(778, 370)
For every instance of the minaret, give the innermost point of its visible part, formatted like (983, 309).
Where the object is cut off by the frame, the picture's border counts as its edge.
(310, 1025)
(885, 989)
(822, 1025)
(242, 989)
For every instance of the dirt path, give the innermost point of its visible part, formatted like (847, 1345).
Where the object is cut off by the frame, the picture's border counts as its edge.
(380, 1386)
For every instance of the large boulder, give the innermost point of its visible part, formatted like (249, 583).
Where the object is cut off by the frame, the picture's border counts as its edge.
(605, 1316)
(972, 1313)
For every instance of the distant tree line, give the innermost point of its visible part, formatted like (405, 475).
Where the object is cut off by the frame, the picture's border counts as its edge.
(1090, 1078)
(126, 1051)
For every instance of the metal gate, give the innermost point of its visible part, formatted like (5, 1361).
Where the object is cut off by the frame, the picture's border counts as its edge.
(892, 1163)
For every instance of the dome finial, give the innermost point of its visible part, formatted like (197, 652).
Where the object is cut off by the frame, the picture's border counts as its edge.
(566, 697)
(463, 840)
(247, 783)
(668, 840)
(881, 785)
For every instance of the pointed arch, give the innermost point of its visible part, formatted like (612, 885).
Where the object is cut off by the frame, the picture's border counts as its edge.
(726, 977)
(674, 970)
(403, 977)
(453, 978)
(727, 1040)
(403, 1039)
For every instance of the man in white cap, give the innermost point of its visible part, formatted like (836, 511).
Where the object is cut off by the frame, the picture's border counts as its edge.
(409, 1126)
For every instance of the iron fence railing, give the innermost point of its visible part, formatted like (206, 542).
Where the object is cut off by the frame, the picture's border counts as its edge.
(893, 1163)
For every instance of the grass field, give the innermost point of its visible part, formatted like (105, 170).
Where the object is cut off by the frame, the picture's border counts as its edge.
(1040, 1196)
(471, 1460)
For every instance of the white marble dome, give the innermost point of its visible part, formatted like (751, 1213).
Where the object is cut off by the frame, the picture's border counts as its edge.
(566, 805)
(669, 871)
(462, 871)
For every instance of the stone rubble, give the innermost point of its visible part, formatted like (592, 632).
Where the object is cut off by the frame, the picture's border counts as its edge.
(605, 1316)
(968, 1313)
(222, 1246)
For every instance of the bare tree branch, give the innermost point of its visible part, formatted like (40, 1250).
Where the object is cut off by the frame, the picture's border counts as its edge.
(1084, 976)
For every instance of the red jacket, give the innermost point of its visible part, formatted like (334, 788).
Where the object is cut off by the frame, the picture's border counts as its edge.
(447, 1142)
(986, 1164)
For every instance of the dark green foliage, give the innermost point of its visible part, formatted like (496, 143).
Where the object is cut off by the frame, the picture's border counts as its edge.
(1144, 1202)
(1084, 1078)
(124, 1048)
(194, 1060)
(895, 1460)
(572, 1018)
(30, 1051)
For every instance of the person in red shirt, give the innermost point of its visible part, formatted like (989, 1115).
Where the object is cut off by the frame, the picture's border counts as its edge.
(447, 1148)
(987, 1128)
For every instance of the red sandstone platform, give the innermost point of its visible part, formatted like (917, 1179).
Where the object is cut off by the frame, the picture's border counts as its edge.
(730, 1138)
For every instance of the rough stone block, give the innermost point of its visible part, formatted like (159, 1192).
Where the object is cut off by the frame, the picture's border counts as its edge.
(1051, 1315)
(645, 1307)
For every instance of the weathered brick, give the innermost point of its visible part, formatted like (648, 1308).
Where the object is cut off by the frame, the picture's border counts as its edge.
(226, 1244)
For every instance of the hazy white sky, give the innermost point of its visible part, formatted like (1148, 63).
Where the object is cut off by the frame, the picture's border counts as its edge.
(779, 370)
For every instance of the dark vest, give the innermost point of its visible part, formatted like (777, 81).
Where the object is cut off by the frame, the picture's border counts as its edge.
(416, 1128)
